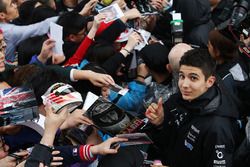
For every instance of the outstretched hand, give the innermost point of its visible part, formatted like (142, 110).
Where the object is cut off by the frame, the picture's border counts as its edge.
(53, 121)
(46, 51)
(159, 4)
(133, 40)
(104, 147)
(101, 80)
(88, 7)
(74, 119)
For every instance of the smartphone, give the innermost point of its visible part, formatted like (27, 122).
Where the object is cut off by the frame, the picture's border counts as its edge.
(99, 6)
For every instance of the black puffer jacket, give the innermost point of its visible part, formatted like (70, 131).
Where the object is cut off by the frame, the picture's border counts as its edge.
(196, 15)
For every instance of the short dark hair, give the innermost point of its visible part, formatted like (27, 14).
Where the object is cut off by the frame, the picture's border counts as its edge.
(2, 6)
(100, 52)
(41, 13)
(43, 79)
(25, 11)
(201, 59)
(22, 74)
(72, 23)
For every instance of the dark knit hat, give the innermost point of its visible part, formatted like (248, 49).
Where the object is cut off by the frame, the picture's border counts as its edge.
(155, 57)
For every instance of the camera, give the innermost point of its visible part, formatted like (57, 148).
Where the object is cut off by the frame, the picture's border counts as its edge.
(177, 28)
(239, 23)
(239, 13)
(17, 105)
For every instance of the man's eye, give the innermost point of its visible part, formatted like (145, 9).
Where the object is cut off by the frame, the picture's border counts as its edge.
(193, 78)
(181, 76)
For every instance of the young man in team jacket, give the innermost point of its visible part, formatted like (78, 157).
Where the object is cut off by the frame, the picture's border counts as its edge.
(198, 125)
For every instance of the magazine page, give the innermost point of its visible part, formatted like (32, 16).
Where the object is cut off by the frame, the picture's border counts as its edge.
(112, 12)
(135, 139)
(109, 118)
(56, 33)
(17, 105)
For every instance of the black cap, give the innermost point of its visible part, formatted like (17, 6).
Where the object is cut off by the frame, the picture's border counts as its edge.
(72, 23)
(155, 57)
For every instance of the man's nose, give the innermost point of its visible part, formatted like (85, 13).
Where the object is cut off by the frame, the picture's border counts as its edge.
(185, 83)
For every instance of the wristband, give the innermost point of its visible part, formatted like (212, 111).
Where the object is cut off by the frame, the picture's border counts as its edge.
(85, 153)
(126, 50)
(140, 76)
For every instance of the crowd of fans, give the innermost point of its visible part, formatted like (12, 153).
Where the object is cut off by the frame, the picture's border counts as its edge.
(194, 94)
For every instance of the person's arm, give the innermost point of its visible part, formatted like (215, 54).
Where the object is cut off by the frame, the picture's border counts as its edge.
(132, 99)
(45, 54)
(42, 153)
(15, 34)
(80, 52)
(131, 14)
(136, 91)
(113, 63)
(74, 119)
(88, 8)
(74, 154)
(74, 75)
(95, 78)
(20, 33)
(86, 43)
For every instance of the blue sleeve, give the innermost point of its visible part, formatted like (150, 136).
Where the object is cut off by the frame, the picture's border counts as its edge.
(131, 100)
(34, 60)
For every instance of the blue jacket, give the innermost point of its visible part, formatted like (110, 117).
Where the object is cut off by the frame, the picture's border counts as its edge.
(131, 100)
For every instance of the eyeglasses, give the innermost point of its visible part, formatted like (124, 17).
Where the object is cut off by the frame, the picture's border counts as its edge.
(82, 32)
(2, 45)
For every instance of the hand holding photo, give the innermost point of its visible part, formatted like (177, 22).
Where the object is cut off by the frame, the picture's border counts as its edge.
(112, 12)
(56, 33)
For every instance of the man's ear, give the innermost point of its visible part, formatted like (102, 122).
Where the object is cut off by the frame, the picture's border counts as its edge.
(210, 81)
(2, 16)
(169, 68)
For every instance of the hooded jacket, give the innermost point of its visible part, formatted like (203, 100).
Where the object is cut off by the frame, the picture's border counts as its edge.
(200, 133)
(236, 82)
